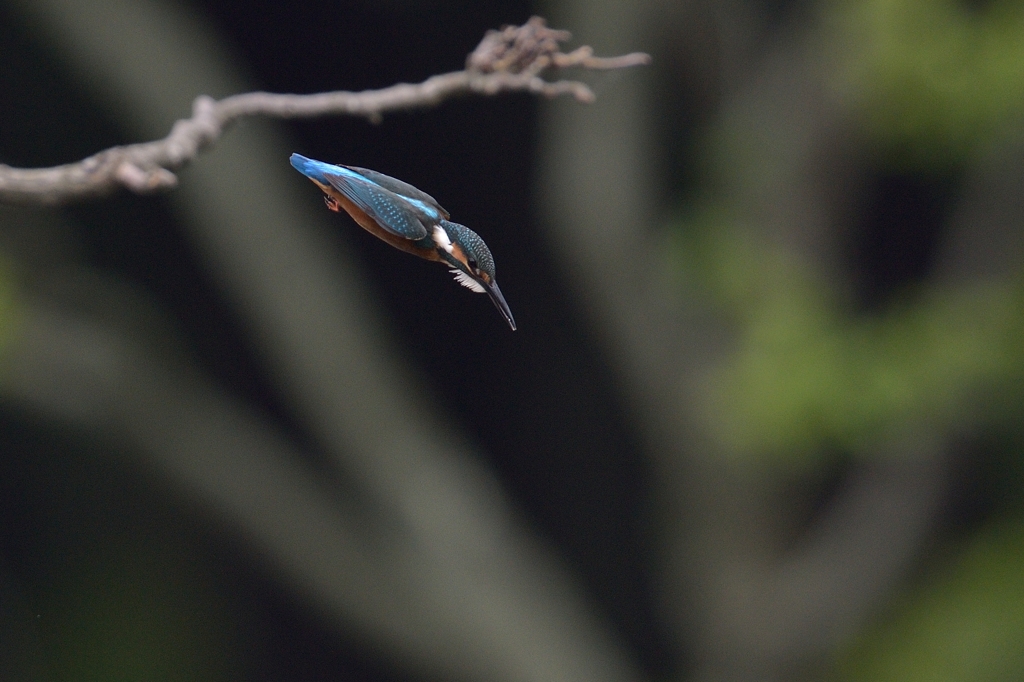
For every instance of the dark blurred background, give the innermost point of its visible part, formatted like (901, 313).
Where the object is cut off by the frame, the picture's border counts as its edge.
(759, 420)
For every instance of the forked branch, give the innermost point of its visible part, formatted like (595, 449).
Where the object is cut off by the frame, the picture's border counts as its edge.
(509, 60)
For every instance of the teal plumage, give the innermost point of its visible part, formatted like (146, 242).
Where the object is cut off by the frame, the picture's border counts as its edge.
(408, 219)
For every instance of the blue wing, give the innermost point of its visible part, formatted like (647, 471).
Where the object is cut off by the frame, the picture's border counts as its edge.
(403, 189)
(381, 197)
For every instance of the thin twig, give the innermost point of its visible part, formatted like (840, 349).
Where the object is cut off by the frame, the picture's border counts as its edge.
(509, 60)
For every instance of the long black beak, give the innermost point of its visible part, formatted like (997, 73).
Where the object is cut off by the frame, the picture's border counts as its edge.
(499, 302)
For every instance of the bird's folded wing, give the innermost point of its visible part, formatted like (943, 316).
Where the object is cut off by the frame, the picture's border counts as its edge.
(391, 211)
(404, 189)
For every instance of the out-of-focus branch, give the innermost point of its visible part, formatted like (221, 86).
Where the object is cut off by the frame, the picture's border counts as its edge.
(508, 616)
(750, 604)
(464, 592)
(509, 60)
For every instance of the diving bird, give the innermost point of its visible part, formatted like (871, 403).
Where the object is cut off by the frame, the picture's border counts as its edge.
(409, 220)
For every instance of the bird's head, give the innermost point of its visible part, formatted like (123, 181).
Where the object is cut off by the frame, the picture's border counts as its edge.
(471, 262)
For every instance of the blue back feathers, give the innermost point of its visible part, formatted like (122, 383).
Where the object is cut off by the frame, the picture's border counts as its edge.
(396, 206)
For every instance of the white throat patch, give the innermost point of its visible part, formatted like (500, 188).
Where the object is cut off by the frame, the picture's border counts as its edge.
(441, 239)
(467, 281)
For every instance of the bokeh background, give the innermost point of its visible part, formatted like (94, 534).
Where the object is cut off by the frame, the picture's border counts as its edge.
(760, 421)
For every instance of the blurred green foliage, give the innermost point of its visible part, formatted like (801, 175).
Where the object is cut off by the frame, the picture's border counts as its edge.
(931, 83)
(805, 375)
(965, 622)
(932, 79)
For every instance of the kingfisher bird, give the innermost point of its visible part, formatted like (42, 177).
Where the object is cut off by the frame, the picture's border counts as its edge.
(408, 219)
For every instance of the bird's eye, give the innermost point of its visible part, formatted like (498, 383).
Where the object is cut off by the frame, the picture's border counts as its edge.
(472, 265)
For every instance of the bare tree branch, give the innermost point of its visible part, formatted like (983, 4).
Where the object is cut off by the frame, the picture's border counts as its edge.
(509, 60)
